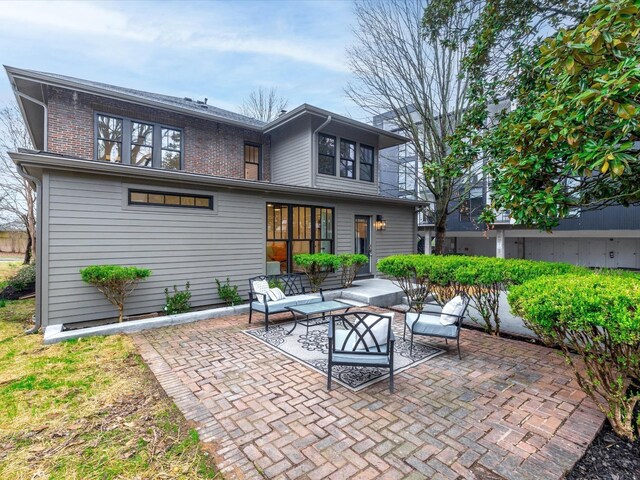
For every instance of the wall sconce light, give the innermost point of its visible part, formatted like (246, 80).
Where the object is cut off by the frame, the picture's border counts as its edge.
(381, 223)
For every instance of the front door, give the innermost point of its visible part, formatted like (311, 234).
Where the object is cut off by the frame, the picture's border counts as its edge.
(363, 241)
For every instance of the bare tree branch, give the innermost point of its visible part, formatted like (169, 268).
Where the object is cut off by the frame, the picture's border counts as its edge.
(264, 104)
(17, 198)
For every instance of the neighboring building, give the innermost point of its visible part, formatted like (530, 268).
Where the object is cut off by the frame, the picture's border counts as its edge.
(193, 192)
(603, 238)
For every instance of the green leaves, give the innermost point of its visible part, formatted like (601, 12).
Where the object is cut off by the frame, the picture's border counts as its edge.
(573, 138)
(101, 274)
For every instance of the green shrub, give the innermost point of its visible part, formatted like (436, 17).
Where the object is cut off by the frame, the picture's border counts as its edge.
(115, 282)
(24, 279)
(3, 303)
(276, 283)
(316, 267)
(350, 263)
(228, 293)
(597, 316)
(178, 302)
(482, 278)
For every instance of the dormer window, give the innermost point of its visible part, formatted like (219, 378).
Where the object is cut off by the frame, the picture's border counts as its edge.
(143, 144)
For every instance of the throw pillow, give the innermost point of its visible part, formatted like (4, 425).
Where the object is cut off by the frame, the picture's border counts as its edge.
(379, 330)
(454, 307)
(260, 289)
(275, 294)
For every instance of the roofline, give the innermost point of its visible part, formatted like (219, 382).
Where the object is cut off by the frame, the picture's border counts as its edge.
(13, 72)
(55, 162)
(306, 108)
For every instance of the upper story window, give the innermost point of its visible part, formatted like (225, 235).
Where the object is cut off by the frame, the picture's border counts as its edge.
(366, 163)
(326, 154)
(406, 180)
(131, 142)
(347, 159)
(252, 162)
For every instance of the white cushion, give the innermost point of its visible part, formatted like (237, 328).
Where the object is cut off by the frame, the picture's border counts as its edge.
(455, 306)
(276, 294)
(380, 330)
(260, 289)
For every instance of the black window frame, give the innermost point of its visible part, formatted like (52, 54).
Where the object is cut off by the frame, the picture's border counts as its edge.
(127, 143)
(290, 237)
(244, 152)
(372, 164)
(131, 191)
(326, 157)
(347, 160)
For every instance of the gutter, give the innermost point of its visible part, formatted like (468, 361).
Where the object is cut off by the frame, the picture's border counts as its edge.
(38, 187)
(314, 150)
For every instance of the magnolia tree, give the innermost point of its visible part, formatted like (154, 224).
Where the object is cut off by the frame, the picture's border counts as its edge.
(573, 140)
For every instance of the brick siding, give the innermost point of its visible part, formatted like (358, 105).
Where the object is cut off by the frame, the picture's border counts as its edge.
(210, 148)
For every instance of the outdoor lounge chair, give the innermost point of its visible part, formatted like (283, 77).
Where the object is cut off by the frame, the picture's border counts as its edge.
(444, 322)
(361, 339)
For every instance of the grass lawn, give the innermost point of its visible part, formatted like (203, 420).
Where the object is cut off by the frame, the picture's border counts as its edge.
(87, 409)
(7, 269)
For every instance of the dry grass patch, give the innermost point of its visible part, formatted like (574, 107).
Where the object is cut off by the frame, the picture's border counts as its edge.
(86, 409)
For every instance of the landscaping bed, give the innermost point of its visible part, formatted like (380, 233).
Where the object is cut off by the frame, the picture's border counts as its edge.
(88, 408)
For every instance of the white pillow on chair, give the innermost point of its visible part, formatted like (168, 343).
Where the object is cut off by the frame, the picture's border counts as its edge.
(379, 330)
(455, 306)
(276, 294)
(260, 289)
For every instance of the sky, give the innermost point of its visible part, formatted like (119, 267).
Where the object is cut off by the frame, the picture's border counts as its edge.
(221, 50)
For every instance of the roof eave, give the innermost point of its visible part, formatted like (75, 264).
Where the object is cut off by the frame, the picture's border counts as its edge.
(42, 161)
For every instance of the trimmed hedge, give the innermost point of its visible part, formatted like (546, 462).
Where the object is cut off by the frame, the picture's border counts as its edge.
(115, 282)
(597, 316)
(316, 266)
(350, 263)
(482, 278)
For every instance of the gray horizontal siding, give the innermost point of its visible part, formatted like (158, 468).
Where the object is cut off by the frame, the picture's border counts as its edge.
(291, 154)
(88, 223)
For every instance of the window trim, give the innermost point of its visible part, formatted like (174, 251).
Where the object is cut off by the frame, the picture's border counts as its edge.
(373, 162)
(259, 146)
(131, 202)
(127, 143)
(354, 161)
(289, 240)
(335, 153)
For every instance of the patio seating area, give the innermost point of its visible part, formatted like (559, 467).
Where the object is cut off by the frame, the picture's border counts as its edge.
(507, 410)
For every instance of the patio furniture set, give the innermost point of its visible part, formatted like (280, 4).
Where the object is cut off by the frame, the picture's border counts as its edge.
(357, 338)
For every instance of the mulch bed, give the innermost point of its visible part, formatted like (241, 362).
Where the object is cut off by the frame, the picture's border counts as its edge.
(10, 293)
(608, 457)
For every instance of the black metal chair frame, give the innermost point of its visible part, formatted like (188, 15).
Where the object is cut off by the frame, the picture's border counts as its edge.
(458, 323)
(291, 284)
(352, 320)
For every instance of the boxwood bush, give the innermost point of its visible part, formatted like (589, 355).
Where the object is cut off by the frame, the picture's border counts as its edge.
(115, 282)
(482, 278)
(316, 267)
(350, 263)
(597, 316)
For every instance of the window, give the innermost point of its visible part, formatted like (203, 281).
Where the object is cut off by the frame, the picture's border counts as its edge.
(252, 160)
(326, 154)
(366, 163)
(146, 197)
(132, 142)
(293, 229)
(347, 159)
(472, 204)
(109, 139)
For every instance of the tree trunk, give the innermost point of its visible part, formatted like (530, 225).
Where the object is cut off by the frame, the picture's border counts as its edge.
(27, 253)
(441, 227)
(120, 312)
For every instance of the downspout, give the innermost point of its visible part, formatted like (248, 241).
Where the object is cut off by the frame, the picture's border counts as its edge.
(38, 184)
(314, 150)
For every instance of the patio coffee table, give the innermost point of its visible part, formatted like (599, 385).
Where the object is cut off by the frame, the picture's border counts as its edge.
(314, 311)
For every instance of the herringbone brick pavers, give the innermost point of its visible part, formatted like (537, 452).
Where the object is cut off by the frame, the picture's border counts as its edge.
(508, 409)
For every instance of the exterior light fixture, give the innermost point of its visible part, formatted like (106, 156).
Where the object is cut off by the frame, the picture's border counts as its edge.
(381, 223)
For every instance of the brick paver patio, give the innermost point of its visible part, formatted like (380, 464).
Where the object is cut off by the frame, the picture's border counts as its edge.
(508, 409)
